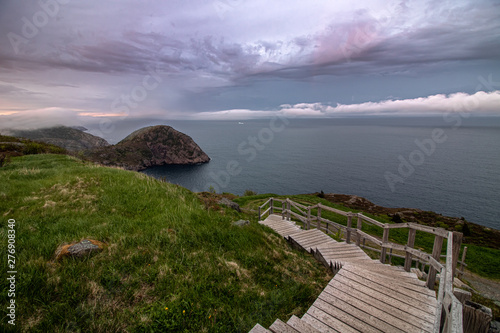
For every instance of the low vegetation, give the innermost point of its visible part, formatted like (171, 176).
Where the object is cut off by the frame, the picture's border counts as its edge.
(171, 261)
(12, 147)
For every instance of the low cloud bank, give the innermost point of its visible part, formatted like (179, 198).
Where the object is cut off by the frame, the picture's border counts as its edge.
(481, 103)
(487, 103)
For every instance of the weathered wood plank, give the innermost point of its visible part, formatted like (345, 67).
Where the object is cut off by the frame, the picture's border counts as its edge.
(333, 210)
(396, 225)
(436, 231)
(392, 291)
(406, 282)
(310, 235)
(436, 254)
(317, 324)
(410, 244)
(338, 311)
(330, 321)
(370, 220)
(457, 243)
(400, 287)
(370, 237)
(393, 302)
(265, 203)
(367, 316)
(258, 329)
(301, 325)
(403, 320)
(280, 327)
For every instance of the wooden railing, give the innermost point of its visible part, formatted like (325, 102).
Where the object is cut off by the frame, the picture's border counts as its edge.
(452, 307)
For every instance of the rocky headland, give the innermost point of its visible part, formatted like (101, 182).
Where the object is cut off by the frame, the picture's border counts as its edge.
(150, 146)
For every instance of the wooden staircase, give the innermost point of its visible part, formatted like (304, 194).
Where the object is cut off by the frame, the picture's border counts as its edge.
(364, 295)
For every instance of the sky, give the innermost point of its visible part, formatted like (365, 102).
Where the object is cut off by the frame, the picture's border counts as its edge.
(76, 62)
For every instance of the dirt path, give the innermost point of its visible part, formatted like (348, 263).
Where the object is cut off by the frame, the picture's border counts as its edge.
(486, 287)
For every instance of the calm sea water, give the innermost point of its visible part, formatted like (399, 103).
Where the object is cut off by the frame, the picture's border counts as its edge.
(425, 163)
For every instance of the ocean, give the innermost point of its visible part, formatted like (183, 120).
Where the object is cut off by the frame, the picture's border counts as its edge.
(447, 165)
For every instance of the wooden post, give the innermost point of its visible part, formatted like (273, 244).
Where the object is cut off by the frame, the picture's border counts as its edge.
(271, 211)
(385, 239)
(288, 208)
(457, 243)
(358, 227)
(390, 256)
(348, 230)
(259, 213)
(364, 241)
(283, 210)
(411, 243)
(308, 218)
(318, 224)
(436, 254)
(463, 261)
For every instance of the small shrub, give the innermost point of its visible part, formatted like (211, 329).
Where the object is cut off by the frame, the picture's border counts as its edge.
(3, 160)
(321, 194)
(32, 148)
(465, 229)
(442, 225)
(249, 193)
(337, 236)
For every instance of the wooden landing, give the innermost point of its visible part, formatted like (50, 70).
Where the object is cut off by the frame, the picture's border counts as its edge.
(363, 296)
(282, 227)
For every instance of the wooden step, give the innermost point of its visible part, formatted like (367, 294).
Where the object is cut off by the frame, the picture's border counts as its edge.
(365, 310)
(310, 239)
(333, 323)
(364, 295)
(398, 317)
(284, 229)
(413, 299)
(412, 290)
(300, 325)
(317, 324)
(357, 319)
(280, 327)
(258, 329)
(391, 300)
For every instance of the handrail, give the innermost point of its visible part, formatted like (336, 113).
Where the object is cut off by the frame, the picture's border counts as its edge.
(337, 211)
(448, 305)
(447, 301)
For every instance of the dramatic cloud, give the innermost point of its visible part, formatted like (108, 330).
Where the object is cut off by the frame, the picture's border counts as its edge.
(240, 54)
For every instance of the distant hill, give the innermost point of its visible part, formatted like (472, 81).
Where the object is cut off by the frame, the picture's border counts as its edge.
(150, 146)
(146, 147)
(72, 139)
(11, 147)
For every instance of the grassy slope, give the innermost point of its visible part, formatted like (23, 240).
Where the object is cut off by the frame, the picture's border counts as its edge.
(169, 265)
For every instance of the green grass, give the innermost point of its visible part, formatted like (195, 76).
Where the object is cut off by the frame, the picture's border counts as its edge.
(481, 260)
(169, 264)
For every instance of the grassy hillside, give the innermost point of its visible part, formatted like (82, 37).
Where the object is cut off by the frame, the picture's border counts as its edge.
(170, 264)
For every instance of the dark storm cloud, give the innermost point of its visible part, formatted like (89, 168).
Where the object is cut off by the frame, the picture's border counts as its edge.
(85, 55)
